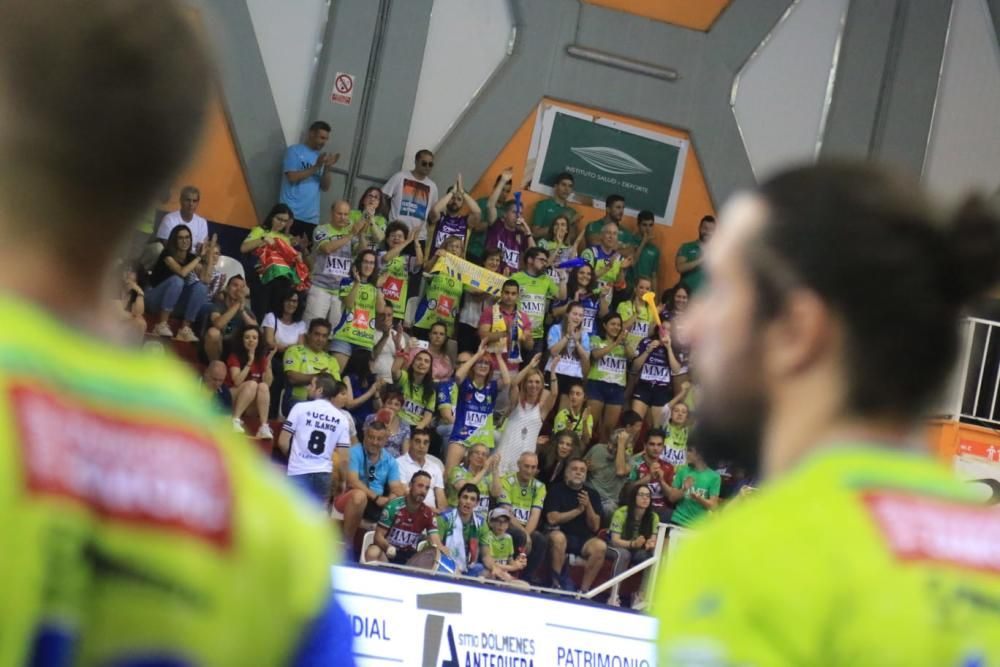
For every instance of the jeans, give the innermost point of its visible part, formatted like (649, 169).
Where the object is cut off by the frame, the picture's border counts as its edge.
(174, 296)
(315, 484)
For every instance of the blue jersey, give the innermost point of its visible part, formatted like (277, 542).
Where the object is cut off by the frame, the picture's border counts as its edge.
(474, 414)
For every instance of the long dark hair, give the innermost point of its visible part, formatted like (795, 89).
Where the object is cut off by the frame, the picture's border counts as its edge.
(278, 304)
(633, 526)
(428, 384)
(373, 278)
(382, 208)
(573, 282)
(667, 299)
(276, 210)
(359, 366)
(241, 350)
(170, 247)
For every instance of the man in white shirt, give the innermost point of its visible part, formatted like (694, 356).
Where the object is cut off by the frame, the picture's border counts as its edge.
(412, 193)
(311, 433)
(185, 215)
(418, 459)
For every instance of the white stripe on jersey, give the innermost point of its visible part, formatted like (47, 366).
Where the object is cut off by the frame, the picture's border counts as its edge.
(318, 428)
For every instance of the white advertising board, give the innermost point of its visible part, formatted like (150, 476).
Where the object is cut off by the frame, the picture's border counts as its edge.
(402, 619)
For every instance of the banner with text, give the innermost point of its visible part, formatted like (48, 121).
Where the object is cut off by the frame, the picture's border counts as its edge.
(434, 622)
(607, 157)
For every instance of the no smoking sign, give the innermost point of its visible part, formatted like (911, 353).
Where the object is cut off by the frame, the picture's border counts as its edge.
(343, 88)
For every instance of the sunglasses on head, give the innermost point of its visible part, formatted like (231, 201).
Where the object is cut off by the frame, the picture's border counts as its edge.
(371, 473)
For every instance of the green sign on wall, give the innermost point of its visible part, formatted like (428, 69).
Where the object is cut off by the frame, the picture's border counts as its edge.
(607, 159)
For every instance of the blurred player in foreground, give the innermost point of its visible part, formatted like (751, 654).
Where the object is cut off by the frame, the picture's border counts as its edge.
(828, 324)
(134, 527)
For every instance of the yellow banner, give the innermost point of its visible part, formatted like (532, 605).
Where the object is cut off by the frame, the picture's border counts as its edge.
(469, 274)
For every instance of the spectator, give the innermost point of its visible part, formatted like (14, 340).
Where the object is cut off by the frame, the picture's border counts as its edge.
(403, 522)
(209, 271)
(676, 305)
(569, 345)
(581, 288)
(446, 219)
(442, 297)
(695, 489)
(474, 302)
(250, 378)
(614, 212)
(637, 315)
(460, 527)
(537, 291)
(477, 398)
(572, 512)
(479, 468)
(361, 300)
(563, 447)
(331, 268)
(372, 481)
(412, 193)
(676, 427)
(307, 171)
(130, 302)
(370, 218)
(506, 328)
(546, 211)
(608, 468)
(560, 248)
(510, 234)
(417, 459)
(657, 474)
(524, 497)
(189, 198)
(647, 255)
(502, 188)
(363, 387)
(532, 404)
(385, 350)
(174, 285)
(633, 534)
(447, 398)
(576, 416)
(277, 261)
(395, 268)
(497, 552)
(226, 318)
(214, 381)
(283, 327)
(312, 433)
(398, 431)
(306, 361)
(608, 368)
(674, 302)
(418, 387)
(606, 260)
(691, 254)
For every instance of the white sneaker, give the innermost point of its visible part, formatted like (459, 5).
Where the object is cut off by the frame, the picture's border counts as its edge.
(238, 425)
(265, 432)
(638, 600)
(185, 335)
(614, 601)
(163, 329)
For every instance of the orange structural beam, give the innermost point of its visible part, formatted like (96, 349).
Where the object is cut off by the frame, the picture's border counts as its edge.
(694, 14)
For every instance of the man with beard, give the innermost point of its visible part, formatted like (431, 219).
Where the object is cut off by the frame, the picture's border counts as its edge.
(827, 326)
(404, 521)
(691, 255)
(573, 512)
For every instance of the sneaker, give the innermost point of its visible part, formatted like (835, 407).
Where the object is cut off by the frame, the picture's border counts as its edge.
(264, 432)
(566, 582)
(238, 425)
(638, 600)
(185, 335)
(613, 601)
(163, 329)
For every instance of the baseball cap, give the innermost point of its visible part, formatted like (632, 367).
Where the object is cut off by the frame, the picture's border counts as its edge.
(500, 512)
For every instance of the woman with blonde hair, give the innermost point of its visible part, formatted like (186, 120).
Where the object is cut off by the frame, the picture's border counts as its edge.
(532, 403)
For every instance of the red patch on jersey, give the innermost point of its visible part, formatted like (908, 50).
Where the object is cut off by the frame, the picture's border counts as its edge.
(121, 469)
(918, 528)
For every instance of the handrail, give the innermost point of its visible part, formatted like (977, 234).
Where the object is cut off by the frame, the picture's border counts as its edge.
(653, 562)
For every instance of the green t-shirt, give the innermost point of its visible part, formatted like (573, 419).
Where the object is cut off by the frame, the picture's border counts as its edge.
(675, 450)
(374, 232)
(415, 400)
(394, 289)
(599, 260)
(301, 359)
(548, 210)
(689, 252)
(536, 293)
(358, 326)
(807, 570)
(440, 303)
(521, 498)
(640, 329)
(567, 421)
(611, 367)
(707, 484)
(647, 263)
(620, 518)
(625, 237)
(330, 269)
(500, 547)
(603, 476)
(458, 477)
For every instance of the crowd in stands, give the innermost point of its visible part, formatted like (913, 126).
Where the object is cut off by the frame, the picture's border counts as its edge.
(507, 430)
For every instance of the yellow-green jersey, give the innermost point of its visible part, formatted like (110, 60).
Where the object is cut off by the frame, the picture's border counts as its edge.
(135, 528)
(861, 556)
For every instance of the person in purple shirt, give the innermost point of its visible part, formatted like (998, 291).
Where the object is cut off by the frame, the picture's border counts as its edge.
(510, 234)
(656, 364)
(446, 218)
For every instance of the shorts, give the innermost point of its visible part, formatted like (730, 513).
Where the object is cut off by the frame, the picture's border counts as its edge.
(656, 395)
(372, 510)
(316, 484)
(564, 382)
(608, 393)
(574, 544)
(402, 556)
(343, 347)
